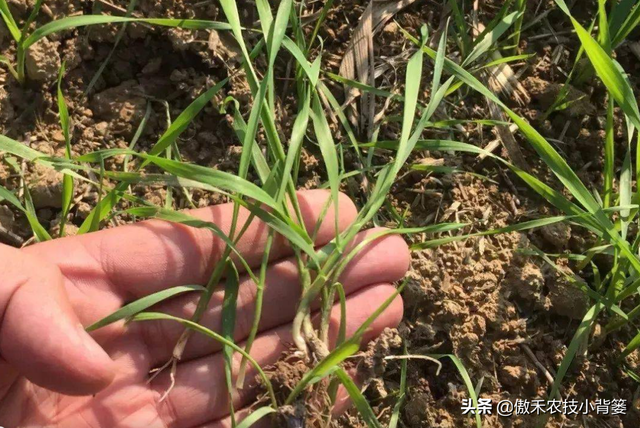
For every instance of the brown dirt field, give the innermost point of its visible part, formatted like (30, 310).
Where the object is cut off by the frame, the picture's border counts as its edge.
(506, 315)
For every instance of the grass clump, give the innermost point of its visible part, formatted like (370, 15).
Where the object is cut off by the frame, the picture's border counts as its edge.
(274, 156)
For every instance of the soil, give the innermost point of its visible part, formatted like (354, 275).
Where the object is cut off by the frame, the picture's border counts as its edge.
(506, 314)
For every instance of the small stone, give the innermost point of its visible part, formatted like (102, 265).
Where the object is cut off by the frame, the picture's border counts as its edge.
(152, 66)
(58, 136)
(45, 214)
(513, 376)
(525, 281)
(564, 296)
(43, 61)
(122, 107)
(557, 234)
(83, 210)
(7, 111)
(7, 219)
(101, 128)
(70, 229)
(46, 187)
(391, 28)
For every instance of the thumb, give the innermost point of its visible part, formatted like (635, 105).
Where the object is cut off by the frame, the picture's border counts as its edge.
(40, 334)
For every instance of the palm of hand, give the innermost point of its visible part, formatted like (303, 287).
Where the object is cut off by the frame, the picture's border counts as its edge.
(91, 276)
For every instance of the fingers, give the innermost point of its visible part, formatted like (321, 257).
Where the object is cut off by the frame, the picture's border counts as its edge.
(116, 265)
(200, 394)
(383, 260)
(40, 335)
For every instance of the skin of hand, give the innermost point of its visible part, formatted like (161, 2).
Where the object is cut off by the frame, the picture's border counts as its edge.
(54, 374)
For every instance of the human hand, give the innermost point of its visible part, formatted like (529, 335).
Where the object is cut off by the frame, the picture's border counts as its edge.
(49, 366)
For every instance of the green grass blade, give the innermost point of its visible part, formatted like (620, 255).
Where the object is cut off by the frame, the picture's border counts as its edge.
(259, 162)
(154, 316)
(361, 403)
(285, 227)
(507, 59)
(609, 156)
(266, 18)
(219, 179)
(620, 11)
(252, 129)
(342, 330)
(295, 143)
(325, 367)
(439, 65)
(604, 36)
(466, 379)
(519, 227)
(323, 16)
(16, 148)
(277, 31)
(328, 150)
(413, 79)
(581, 334)
(311, 70)
(187, 220)
(40, 232)
(185, 118)
(491, 38)
(139, 130)
(67, 180)
(371, 319)
(255, 416)
(402, 392)
(229, 305)
(142, 304)
(9, 21)
(630, 23)
(463, 28)
(631, 346)
(32, 17)
(4, 60)
(607, 69)
(85, 20)
(521, 6)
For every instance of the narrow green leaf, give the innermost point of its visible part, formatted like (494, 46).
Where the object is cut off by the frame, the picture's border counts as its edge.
(229, 305)
(325, 367)
(466, 379)
(607, 69)
(361, 403)
(84, 20)
(581, 334)
(328, 150)
(255, 416)
(215, 178)
(140, 305)
(9, 21)
(65, 124)
(39, 231)
(16, 148)
(154, 316)
(490, 39)
(185, 118)
(402, 392)
(4, 60)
